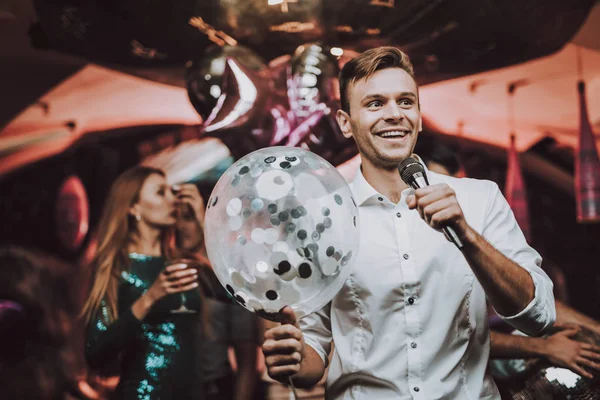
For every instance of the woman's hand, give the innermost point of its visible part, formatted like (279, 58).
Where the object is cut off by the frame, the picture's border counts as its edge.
(175, 278)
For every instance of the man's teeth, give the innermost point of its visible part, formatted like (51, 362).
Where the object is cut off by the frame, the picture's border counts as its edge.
(393, 134)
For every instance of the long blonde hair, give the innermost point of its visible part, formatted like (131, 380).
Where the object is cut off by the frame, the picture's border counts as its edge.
(114, 235)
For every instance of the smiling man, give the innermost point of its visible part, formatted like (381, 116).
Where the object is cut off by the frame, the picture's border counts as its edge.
(411, 320)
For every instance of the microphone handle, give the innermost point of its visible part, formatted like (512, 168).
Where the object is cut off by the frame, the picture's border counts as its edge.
(448, 231)
(450, 234)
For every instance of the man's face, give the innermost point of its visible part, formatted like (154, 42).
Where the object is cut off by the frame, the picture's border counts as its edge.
(384, 118)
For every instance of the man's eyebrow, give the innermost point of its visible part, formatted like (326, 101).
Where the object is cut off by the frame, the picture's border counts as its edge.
(374, 96)
(380, 95)
(408, 94)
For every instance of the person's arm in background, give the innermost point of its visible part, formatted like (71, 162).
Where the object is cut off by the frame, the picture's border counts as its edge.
(558, 349)
(245, 381)
(244, 337)
(568, 315)
(105, 341)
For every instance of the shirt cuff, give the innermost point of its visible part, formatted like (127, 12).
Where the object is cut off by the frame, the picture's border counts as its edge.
(540, 313)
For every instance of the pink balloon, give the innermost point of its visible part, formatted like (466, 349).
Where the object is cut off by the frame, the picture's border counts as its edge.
(257, 109)
(250, 113)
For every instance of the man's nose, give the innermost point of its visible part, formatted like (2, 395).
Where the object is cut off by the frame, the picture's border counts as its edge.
(393, 112)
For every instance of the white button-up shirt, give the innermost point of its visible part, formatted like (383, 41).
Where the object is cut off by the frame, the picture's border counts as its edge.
(412, 316)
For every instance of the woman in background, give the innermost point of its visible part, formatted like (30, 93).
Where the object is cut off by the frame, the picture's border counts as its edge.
(129, 311)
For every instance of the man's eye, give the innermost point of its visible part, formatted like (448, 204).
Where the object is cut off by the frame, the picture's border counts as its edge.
(375, 103)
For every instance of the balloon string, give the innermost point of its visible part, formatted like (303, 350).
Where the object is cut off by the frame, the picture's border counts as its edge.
(294, 392)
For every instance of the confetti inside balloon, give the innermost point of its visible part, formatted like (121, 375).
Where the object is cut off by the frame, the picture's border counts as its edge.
(284, 235)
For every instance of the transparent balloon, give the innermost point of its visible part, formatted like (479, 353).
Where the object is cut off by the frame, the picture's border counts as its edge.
(282, 229)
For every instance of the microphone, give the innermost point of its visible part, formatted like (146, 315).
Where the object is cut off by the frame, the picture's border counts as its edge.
(413, 174)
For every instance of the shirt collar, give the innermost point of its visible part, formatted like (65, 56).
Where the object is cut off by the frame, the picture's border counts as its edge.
(363, 190)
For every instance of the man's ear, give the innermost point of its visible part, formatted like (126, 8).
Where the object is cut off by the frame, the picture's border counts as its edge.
(420, 123)
(343, 120)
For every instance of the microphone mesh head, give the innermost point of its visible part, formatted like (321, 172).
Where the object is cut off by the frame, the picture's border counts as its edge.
(408, 168)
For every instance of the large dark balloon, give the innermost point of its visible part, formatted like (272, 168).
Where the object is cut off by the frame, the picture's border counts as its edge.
(204, 76)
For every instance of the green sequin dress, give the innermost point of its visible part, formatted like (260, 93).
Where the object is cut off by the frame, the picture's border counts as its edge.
(156, 357)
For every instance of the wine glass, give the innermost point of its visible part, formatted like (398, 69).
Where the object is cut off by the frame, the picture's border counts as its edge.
(182, 307)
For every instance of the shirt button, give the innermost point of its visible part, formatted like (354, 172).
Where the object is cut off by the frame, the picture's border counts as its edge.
(411, 300)
(398, 215)
(413, 345)
(405, 256)
(380, 198)
(416, 389)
